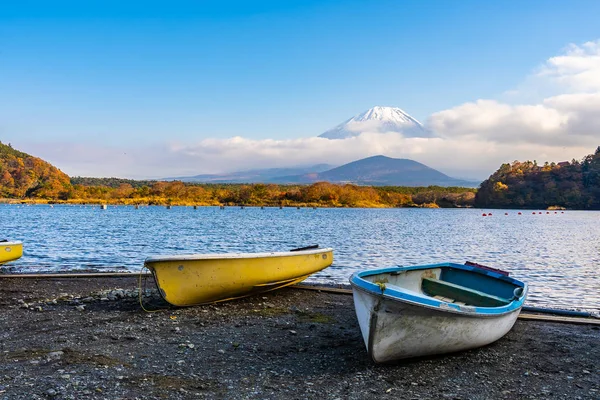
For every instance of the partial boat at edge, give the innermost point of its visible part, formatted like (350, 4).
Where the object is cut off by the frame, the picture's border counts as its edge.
(10, 251)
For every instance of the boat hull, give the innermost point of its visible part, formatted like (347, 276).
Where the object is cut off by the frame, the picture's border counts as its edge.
(395, 330)
(406, 312)
(208, 278)
(10, 251)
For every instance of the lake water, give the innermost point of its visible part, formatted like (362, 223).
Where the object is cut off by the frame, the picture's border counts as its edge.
(558, 254)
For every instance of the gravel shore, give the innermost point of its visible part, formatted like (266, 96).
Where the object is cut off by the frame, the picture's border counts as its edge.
(88, 338)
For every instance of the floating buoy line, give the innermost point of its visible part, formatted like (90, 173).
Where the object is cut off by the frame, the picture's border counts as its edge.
(489, 214)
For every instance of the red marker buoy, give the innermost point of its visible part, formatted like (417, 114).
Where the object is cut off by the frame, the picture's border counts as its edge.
(505, 213)
(484, 215)
(519, 212)
(540, 212)
(533, 212)
(490, 214)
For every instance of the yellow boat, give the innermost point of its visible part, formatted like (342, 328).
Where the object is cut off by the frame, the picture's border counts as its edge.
(10, 251)
(208, 278)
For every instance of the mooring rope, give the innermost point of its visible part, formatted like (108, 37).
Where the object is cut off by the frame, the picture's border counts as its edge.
(140, 291)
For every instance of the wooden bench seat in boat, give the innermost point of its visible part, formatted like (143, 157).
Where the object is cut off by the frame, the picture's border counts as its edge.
(460, 294)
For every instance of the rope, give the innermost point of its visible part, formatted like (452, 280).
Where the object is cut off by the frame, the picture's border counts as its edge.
(140, 292)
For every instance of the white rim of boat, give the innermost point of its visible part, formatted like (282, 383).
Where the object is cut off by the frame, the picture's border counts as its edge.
(229, 256)
(359, 283)
(11, 243)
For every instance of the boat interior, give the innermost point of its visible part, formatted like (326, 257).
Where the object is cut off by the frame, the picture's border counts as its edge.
(451, 285)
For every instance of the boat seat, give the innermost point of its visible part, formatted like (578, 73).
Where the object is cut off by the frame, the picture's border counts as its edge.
(405, 290)
(461, 294)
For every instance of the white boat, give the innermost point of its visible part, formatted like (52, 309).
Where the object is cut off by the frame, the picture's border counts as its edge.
(416, 311)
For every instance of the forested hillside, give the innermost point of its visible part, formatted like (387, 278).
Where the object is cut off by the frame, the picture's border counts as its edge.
(110, 182)
(322, 194)
(574, 185)
(22, 175)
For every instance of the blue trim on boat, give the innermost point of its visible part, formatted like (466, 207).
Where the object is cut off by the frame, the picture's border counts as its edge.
(357, 280)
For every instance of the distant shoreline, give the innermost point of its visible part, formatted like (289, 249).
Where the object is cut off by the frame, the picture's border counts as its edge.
(99, 204)
(184, 204)
(321, 194)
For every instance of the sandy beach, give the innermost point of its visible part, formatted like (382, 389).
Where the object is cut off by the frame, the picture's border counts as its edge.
(88, 338)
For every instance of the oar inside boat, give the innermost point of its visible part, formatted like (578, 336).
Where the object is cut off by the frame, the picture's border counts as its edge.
(485, 267)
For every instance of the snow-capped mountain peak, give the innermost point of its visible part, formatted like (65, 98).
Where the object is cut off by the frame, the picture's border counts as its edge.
(378, 119)
(385, 114)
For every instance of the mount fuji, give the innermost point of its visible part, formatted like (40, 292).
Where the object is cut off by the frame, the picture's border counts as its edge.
(381, 120)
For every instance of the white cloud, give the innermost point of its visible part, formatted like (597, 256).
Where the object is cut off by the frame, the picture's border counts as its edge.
(578, 69)
(565, 120)
(568, 119)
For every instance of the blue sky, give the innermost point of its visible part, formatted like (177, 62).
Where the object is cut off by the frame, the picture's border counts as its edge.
(147, 73)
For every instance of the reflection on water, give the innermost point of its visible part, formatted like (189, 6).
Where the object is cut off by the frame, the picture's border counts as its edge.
(556, 253)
